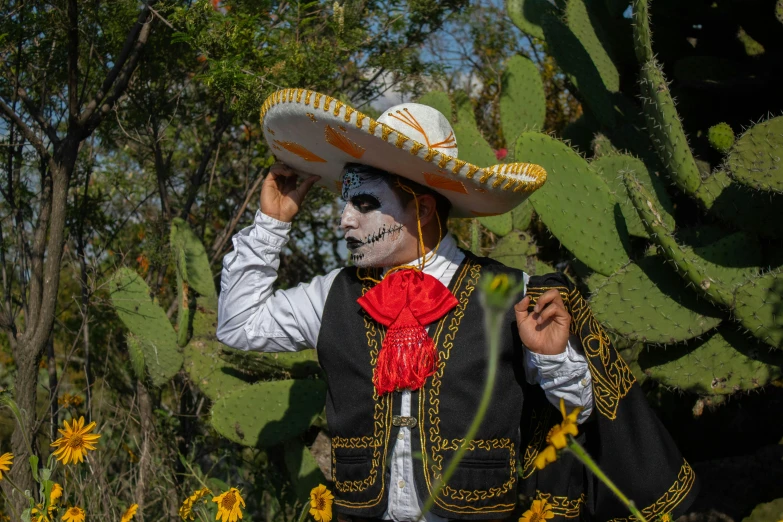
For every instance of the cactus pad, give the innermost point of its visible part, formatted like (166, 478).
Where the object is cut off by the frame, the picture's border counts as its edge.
(769, 510)
(759, 307)
(611, 168)
(756, 160)
(269, 413)
(576, 204)
(590, 34)
(576, 62)
(725, 363)
(499, 225)
(646, 302)
(522, 216)
(192, 260)
(437, 100)
(302, 468)
(473, 148)
(147, 321)
(522, 98)
(528, 14)
(721, 137)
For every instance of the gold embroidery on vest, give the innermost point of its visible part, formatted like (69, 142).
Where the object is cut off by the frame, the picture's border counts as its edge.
(613, 378)
(382, 413)
(562, 506)
(463, 289)
(669, 500)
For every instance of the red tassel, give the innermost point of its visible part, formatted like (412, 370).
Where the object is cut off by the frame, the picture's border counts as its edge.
(407, 356)
(405, 301)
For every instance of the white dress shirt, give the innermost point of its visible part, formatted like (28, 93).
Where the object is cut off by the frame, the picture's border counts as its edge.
(252, 317)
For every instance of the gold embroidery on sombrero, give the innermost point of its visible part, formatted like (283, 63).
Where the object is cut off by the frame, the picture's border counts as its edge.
(401, 139)
(373, 125)
(510, 183)
(669, 500)
(299, 93)
(312, 117)
(442, 182)
(307, 97)
(359, 118)
(431, 154)
(472, 169)
(385, 131)
(444, 160)
(337, 106)
(317, 100)
(343, 143)
(449, 143)
(488, 173)
(562, 506)
(458, 164)
(410, 120)
(416, 147)
(327, 101)
(300, 151)
(348, 112)
(498, 180)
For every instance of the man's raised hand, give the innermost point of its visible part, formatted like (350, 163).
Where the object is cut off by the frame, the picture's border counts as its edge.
(544, 331)
(281, 197)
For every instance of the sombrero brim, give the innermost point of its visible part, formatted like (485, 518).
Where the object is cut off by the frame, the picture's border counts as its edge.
(319, 134)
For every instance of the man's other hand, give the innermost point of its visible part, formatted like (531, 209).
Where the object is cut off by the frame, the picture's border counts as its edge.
(545, 330)
(281, 195)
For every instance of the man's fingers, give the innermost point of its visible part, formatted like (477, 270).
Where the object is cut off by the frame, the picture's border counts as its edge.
(307, 184)
(549, 312)
(520, 309)
(547, 297)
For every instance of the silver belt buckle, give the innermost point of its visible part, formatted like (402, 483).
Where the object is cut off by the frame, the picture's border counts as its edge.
(405, 422)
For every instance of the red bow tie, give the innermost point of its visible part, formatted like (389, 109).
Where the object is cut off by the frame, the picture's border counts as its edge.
(405, 301)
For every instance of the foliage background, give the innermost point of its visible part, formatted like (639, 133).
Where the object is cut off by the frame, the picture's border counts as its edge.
(124, 132)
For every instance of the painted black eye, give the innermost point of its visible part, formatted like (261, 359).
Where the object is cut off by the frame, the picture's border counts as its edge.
(365, 203)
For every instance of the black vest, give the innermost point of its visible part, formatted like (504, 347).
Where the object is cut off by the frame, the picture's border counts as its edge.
(485, 483)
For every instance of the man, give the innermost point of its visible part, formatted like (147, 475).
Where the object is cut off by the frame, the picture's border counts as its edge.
(400, 333)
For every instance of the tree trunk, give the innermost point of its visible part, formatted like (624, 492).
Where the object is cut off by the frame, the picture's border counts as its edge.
(25, 386)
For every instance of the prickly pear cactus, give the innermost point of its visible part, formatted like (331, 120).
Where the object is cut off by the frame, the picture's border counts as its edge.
(721, 137)
(269, 413)
(576, 204)
(152, 339)
(756, 160)
(704, 293)
(722, 364)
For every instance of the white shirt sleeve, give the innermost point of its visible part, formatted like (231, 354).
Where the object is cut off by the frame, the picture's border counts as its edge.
(250, 315)
(565, 375)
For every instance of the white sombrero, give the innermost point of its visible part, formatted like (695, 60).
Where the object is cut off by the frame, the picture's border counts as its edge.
(318, 134)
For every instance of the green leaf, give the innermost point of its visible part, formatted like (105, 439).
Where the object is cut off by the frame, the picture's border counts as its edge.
(34, 467)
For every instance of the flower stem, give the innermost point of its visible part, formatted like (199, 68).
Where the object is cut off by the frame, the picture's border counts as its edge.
(580, 453)
(492, 320)
(305, 510)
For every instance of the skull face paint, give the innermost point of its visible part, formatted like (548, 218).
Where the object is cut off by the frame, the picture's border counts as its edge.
(372, 219)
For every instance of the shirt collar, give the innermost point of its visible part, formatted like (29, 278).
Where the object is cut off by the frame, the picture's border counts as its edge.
(446, 256)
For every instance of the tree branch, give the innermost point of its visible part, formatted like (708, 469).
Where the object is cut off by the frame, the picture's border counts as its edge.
(26, 131)
(118, 77)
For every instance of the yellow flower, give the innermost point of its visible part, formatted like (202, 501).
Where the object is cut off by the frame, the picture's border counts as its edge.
(36, 514)
(128, 515)
(74, 514)
(69, 400)
(556, 438)
(228, 505)
(321, 503)
(6, 460)
(186, 509)
(538, 512)
(75, 441)
(56, 494)
(666, 517)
